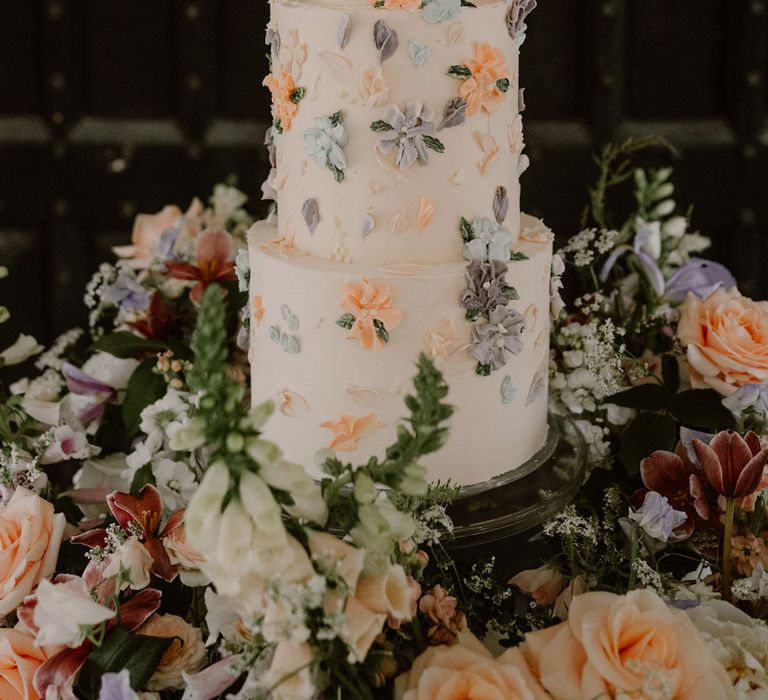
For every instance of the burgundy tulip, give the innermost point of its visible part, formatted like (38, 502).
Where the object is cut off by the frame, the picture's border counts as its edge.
(734, 465)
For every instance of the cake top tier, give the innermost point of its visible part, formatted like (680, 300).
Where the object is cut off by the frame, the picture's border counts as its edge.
(397, 127)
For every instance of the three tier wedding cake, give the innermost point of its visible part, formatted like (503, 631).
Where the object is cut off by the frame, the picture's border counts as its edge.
(396, 150)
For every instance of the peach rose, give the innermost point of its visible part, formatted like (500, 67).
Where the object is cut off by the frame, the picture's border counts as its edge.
(481, 90)
(468, 670)
(185, 655)
(630, 646)
(19, 659)
(727, 339)
(147, 229)
(282, 88)
(31, 534)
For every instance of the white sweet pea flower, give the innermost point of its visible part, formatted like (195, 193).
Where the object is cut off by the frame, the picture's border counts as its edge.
(67, 443)
(24, 348)
(133, 556)
(657, 517)
(103, 474)
(63, 610)
(110, 370)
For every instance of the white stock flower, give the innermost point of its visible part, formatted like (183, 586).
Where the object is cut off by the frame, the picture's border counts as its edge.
(176, 482)
(166, 414)
(62, 611)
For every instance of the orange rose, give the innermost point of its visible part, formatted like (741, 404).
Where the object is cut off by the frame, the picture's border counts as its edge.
(371, 305)
(481, 90)
(468, 670)
(19, 659)
(282, 88)
(31, 535)
(185, 655)
(630, 646)
(727, 339)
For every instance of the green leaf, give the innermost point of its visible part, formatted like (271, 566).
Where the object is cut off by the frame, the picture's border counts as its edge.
(338, 174)
(278, 124)
(64, 504)
(503, 84)
(124, 344)
(467, 3)
(465, 228)
(702, 408)
(483, 369)
(144, 388)
(141, 478)
(298, 95)
(670, 370)
(381, 331)
(510, 293)
(646, 397)
(460, 72)
(121, 649)
(346, 321)
(435, 144)
(380, 125)
(473, 314)
(647, 433)
(337, 118)
(517, 256)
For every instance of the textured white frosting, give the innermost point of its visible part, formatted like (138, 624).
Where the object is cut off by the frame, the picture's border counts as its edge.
(479, 156)
(331, 375)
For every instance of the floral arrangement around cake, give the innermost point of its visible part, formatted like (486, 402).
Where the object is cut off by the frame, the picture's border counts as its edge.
(155, 545)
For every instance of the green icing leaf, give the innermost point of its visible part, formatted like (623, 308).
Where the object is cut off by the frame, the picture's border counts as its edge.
(381, 331)
(346, 321)
(484, 370)
(473, 314)
(337, 118)
(278, 125)
(434, 143)
(503, 84)
(516, 256)
(465, 228)
(460, 72)
(338, 174)
(381, 125)
(510, 293)
(298, 95)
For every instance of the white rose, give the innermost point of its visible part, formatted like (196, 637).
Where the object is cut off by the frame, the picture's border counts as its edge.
(63, 609)
(131, 555)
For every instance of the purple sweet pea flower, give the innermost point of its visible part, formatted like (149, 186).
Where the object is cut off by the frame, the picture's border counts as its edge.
(117, 686)
(687, 436)
(645, 246)
(127, 293)
(748, 396)
(164, 247)
(657, 517)
(701, 277)
(78, 382)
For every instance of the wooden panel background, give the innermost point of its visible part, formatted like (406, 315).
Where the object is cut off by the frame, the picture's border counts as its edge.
(109, 108)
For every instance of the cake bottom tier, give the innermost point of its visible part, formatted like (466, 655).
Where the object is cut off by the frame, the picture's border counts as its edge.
(344, 387)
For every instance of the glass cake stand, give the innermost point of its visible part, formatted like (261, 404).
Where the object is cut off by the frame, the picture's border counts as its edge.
(503, 517)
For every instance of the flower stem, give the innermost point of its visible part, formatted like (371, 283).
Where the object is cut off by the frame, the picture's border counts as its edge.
(725, 587)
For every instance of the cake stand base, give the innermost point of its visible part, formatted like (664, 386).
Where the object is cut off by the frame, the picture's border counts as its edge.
(503, 517)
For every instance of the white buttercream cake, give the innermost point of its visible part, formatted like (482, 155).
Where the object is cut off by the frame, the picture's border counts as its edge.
(396, 152)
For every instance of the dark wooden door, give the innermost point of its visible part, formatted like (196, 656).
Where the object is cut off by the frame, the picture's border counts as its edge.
(109, 108)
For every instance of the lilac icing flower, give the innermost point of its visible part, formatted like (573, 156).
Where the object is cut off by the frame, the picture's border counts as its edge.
(749, 396)
(268, 191)
(126, 292)
(657, 517)
(486, 286)
(436, 11)
(701, 277)
(406, 132)
(492, 339)
(491, 241)
(325, 143)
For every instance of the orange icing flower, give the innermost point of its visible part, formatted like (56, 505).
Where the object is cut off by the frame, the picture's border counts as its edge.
(348, 430)
(257, 308)
(399, 4)
(369, 302)
(441, 342)
(282, 88)
(481, 91)
(291, 404)
(426, 212)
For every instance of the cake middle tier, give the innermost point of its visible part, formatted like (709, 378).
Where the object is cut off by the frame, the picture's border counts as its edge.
(389, 129)
(335, 346)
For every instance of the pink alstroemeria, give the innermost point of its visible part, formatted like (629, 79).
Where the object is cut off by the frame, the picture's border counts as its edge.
(214, 264)
(734, 465)
(145, 512)
(83, 384)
